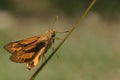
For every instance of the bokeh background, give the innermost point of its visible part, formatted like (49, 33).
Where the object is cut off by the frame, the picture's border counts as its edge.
(92, 52)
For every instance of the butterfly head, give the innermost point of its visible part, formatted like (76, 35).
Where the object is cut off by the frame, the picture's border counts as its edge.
(51, 33)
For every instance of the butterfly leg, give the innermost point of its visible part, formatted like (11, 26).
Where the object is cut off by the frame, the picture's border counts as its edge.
(59, 38)
(53, 50)
(30, 65)
(43, 58)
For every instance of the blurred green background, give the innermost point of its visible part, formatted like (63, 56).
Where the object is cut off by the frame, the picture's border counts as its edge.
(90, 53)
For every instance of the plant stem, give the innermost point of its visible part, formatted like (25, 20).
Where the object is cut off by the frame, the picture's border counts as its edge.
(72, 29)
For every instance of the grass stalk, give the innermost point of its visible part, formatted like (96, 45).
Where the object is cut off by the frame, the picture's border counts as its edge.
(72, 29)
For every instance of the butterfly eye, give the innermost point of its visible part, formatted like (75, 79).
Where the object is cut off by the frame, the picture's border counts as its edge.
(53, 35)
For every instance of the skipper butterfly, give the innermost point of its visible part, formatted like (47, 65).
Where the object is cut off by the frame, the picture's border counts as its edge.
(30, 50)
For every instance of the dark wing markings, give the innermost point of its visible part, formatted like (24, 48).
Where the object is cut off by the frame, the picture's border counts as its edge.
(14, 47)
(26, 55)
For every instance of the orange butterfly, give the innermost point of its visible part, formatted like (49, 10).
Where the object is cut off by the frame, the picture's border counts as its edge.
(31, 49)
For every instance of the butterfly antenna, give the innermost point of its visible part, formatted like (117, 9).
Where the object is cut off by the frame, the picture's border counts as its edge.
(53, 25)
(54, 22)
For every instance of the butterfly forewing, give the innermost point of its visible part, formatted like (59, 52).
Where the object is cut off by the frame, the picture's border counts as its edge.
(14, 47)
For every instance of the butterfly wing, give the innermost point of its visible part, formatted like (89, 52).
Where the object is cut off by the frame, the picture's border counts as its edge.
(14, 47)
(28, 53)
(34, 62)
(24, 51)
